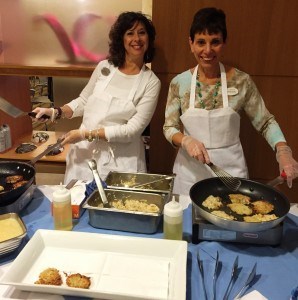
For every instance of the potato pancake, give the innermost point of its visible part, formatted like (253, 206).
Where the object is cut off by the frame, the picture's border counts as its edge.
(50, 276)
(240, 209)
(260, 218)
(13, 178)
(239, 198)
(19, 183)
(222, 214)
(212, 202)
(262, 207)
(78, 281)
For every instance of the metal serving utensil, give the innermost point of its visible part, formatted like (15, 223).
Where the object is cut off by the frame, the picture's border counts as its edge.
(233, 183)
(200, 263)
(215, 275)
(150, 182)
(232, 279)
(93, 166)
(15, 112)
(248, 281)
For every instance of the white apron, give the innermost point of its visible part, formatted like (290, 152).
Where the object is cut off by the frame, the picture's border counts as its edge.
(102, 109)
(219, 130)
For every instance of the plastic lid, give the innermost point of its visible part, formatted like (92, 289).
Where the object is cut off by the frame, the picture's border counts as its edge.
(61, 194)
(173, 208)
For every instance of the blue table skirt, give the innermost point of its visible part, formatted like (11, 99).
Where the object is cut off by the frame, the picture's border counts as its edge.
(277, 267)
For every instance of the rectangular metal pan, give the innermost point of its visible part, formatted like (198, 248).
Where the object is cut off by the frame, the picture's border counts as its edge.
(124, 220)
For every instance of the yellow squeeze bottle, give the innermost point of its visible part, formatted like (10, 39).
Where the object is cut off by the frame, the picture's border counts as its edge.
(173, 220)
(62, 211)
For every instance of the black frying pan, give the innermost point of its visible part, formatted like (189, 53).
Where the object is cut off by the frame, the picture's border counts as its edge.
(257, 191)
(9, 168)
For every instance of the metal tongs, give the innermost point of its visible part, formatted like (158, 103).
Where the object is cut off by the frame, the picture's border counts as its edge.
(215, 275)
(232, 279)
(248, 282)
(93, 166)
(200, 263)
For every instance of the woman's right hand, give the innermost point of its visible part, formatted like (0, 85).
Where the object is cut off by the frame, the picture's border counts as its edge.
(40, 111)
(195, 149)
(73, 136)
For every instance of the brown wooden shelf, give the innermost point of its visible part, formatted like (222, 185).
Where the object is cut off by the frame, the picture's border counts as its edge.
(78, 70)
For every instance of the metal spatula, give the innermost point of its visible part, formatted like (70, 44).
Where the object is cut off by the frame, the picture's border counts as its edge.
(15, 112)
(233, 183)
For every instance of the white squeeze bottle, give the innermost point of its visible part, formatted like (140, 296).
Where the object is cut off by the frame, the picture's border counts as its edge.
(62, 211)
(173, 220)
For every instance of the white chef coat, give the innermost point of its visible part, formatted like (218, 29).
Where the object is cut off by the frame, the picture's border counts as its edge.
(104, 110)
(219, 130)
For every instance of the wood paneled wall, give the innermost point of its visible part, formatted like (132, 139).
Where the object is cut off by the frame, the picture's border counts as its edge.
(262, 41)
(16, 90)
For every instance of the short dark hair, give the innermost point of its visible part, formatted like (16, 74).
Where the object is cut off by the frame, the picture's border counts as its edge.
(124, 22)
(209, 19)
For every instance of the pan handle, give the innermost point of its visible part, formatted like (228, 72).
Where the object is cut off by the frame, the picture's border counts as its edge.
(47, 150)
(33, 115)
(278, 180)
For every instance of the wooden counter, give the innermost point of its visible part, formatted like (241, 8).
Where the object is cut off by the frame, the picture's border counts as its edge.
(48, 163)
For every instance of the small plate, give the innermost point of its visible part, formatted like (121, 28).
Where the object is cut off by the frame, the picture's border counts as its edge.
(142, 268)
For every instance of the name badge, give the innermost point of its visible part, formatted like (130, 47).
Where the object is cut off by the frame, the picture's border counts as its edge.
(232, 91)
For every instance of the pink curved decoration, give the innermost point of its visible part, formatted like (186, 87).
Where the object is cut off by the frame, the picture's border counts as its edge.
(74, 47)
(61, 34)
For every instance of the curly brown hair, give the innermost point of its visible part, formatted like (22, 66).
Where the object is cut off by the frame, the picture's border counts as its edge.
(124, 22)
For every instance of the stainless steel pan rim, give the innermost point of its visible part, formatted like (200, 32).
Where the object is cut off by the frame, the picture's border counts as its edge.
(213, 186)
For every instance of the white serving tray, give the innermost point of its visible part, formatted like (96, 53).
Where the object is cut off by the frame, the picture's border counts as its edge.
(120, 267)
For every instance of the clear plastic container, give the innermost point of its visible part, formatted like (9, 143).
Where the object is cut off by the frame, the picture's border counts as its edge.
(173, 220)
(62, 211)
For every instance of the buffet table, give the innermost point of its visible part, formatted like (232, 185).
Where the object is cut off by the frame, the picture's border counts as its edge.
(277, 267)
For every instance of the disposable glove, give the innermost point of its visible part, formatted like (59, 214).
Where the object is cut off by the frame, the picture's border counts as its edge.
(44, 111)
(73, 136)
(287, 163)
(195, 149)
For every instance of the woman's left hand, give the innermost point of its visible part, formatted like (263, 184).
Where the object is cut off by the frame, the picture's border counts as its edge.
(73, 136)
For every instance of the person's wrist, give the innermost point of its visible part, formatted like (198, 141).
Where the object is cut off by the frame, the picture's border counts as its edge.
(184, 141)
(58, 113)
(282, 150)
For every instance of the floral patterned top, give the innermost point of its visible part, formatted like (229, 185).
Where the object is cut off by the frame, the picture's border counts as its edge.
(248, 99)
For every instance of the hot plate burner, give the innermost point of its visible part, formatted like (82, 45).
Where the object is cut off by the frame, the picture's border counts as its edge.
(40, 137)
(25, 148)
(202, 230)
(55, 151)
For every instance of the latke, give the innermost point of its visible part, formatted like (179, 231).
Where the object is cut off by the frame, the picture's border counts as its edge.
(78, 281)
(239, 198)
(240, 209)
(262, 207)
(50, 276)
(212, 202)
(260, 218)
(222, 214)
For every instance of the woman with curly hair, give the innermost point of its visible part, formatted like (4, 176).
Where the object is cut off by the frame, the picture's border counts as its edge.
(117, 104)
